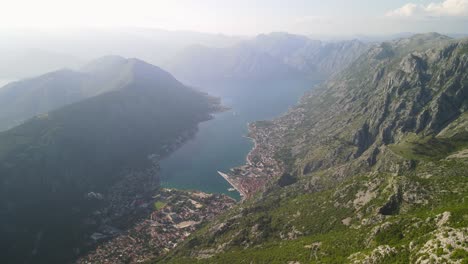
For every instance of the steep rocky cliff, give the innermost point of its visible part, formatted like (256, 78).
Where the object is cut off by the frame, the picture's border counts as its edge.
(395, 90)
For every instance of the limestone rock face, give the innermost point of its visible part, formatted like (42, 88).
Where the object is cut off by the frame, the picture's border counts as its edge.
(394, 89)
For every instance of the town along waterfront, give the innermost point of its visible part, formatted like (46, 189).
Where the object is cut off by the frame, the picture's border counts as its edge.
(221, 143)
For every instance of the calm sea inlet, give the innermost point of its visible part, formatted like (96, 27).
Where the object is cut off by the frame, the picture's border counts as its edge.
(221, 143)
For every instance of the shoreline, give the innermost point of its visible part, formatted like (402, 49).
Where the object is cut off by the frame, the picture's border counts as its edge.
(247, 158)
(248, 162)
(239, 190)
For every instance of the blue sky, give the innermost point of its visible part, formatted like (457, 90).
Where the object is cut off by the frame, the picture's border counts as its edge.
(330, 17)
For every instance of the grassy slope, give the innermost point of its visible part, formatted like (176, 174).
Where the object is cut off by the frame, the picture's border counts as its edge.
(318, 216)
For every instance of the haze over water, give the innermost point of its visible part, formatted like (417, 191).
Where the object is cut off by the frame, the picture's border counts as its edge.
(221, 143)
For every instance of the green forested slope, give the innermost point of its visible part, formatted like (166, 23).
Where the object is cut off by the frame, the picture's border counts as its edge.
(50, 163)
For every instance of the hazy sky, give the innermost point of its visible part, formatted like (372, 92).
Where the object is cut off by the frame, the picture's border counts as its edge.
(330, 17)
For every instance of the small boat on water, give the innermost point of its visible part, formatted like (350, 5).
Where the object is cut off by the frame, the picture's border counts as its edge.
(231, 189)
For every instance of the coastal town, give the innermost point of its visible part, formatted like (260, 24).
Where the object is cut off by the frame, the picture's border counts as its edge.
(136, 220)
(142, 221)
(173, 216)
(260, 165)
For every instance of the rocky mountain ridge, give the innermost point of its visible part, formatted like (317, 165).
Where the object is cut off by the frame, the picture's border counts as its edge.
(275, 55)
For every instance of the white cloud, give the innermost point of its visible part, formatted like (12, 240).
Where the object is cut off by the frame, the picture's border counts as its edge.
(452, 8)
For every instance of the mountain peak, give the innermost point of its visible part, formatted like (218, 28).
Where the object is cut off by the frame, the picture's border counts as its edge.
(105, 62)
(143, 71)
(113, 63)
(26, 98)
(421, 42)
(429, 36)
(282, 35)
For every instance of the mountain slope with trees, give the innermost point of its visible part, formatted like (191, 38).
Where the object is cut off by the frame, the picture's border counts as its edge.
(61, 167)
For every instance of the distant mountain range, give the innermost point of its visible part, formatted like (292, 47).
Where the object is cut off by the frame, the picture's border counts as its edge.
(316, 59)
(28, 53)
(18, 63)
(200, 65)
(93, 129)
(272, 56)
(193, 57)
